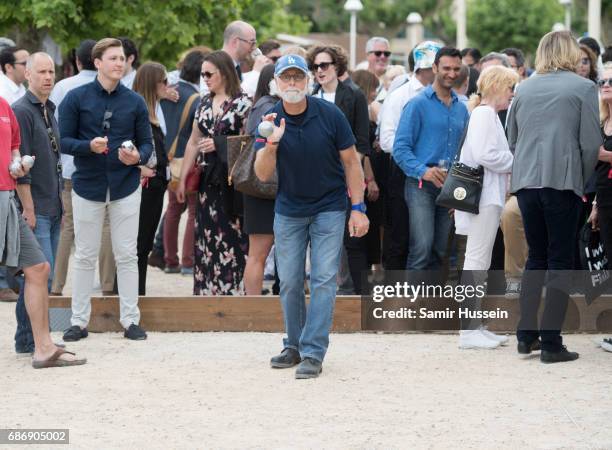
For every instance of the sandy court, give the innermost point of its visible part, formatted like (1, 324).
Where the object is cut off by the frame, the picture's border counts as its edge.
(216, 390)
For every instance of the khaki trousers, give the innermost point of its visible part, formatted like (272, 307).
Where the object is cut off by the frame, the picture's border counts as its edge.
(515, 244)
(106, 261)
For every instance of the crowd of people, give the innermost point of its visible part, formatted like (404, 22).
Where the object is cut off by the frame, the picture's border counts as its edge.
(359, 157)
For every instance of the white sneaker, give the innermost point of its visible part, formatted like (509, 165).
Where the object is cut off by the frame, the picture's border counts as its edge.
(503, 340)
(606, 344)
(476, 339)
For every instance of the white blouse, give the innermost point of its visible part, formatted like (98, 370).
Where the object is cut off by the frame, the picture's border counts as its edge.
(486, 145)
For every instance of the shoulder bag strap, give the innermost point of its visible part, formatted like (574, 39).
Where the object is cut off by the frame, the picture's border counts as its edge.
(184, 116)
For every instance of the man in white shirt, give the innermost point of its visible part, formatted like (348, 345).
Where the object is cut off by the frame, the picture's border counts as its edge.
(87, 73)
(396, 238)
(131, 61)
(239, 41)
(13, 62)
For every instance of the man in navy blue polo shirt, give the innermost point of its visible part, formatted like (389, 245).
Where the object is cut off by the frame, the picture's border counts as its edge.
(95, 119)
(312, 148)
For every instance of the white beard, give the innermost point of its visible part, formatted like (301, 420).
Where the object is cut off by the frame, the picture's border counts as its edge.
(293, 95)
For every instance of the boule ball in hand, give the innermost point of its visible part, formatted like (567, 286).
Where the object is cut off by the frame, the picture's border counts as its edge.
(15, 166)
(27, 161)
(266, 128)
(128, 145)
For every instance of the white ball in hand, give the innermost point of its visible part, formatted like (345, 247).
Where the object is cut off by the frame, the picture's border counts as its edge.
(265, 128)
(27, 161)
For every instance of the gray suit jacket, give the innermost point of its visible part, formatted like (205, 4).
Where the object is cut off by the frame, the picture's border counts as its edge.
(553, 131)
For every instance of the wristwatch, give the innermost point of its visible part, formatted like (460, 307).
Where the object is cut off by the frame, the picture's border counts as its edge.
(361, 207)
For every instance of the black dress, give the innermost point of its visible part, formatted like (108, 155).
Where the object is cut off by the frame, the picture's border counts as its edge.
(604, 198)
(151, 206)
(221, 246)
(259, 212)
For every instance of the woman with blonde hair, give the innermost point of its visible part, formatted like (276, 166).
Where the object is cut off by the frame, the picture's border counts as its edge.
(554, 133)
(486, 145)
(601, 215)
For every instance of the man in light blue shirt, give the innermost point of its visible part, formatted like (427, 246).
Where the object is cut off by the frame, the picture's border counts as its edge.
(428, 133)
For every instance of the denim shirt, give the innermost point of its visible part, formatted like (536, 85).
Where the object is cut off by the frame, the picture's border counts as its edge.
(428, 131)
(90, 111)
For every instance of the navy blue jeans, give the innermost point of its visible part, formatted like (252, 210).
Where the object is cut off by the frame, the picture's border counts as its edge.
(551, 220)
(47, 233)
(430, 226)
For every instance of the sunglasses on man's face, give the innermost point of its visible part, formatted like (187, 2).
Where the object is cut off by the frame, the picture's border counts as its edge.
(605, 81)
(323, 66)
(273, 59)
(207, 75)
(287, 77)
(380, 53)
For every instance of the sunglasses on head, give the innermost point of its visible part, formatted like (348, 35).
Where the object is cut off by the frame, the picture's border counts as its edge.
(207, 74)
(323, 66)
(379, 53)
(605, 81)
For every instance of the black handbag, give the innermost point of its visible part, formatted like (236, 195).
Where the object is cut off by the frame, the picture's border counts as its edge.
(463, 185)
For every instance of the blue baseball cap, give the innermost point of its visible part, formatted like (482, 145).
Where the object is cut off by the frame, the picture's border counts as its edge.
(290, 62)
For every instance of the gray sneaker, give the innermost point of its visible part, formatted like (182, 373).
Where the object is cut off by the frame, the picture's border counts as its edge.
(289, 357)
(308, 368)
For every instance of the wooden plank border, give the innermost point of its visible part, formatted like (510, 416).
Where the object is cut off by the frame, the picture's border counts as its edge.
(264, 313)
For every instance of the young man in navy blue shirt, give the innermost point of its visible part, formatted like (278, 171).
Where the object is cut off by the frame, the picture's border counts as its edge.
(313, 150)
(95, 120)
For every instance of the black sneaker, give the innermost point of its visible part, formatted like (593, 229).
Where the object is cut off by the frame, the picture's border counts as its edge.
(525, 348)
(135, 333)
(288, 358)
(75, 333)
(309, 368)
(561, 356)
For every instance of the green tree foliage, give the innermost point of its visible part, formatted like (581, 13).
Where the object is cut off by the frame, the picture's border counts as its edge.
(160, 28)
(496, 24)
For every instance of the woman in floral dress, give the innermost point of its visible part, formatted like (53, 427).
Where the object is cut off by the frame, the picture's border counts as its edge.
(220, 244)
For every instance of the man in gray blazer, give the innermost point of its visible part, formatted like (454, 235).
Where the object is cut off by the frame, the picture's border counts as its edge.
(553, 130)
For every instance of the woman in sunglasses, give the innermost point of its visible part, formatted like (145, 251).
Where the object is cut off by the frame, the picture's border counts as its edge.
(601, 215)
(151, 82)
(220, 243)
(327, 63)
(587, 67)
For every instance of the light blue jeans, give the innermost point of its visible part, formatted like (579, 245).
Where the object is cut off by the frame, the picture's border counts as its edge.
(47, 232)
(308, 330)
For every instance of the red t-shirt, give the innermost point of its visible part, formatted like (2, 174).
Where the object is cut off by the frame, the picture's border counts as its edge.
(9, 140)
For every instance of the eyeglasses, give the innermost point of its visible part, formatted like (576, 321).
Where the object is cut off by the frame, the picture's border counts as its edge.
(207, 75)
(273, 58)
(585, 61)
(605, 81)
(21, 63)
(106, 121)
(248, 41)
(323, 66)
(379, 53)
(287, 77)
